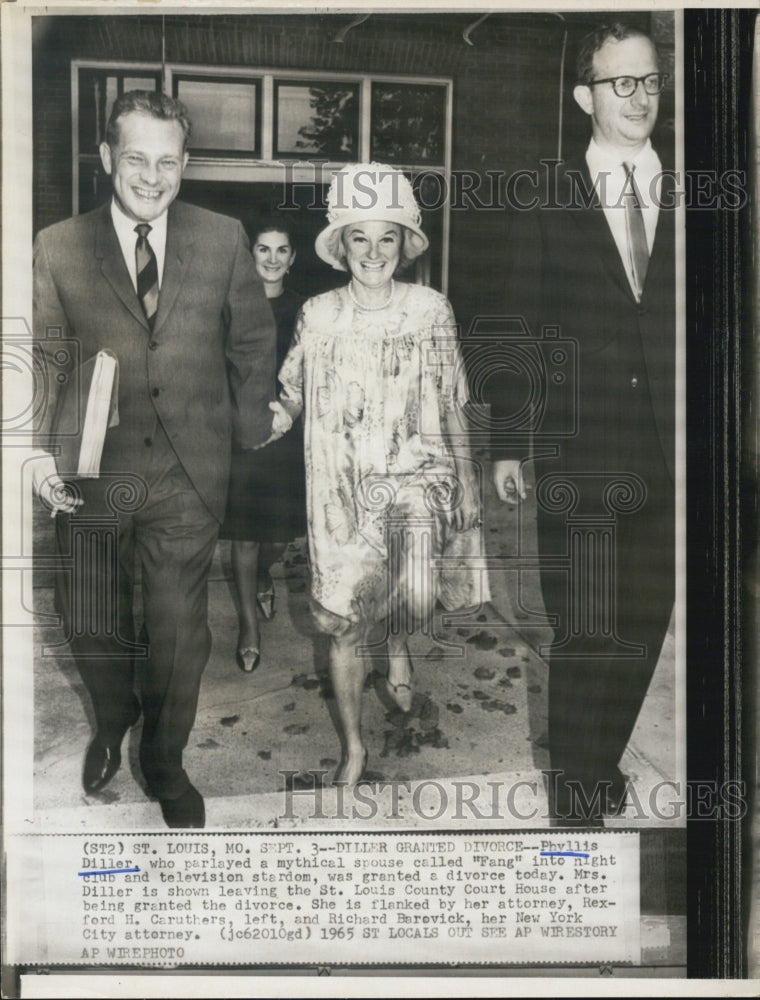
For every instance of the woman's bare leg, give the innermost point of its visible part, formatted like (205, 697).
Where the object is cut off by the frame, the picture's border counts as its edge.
(412, 607)
(347, 675)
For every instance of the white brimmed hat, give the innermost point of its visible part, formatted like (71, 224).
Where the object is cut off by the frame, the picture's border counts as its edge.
(365, 192)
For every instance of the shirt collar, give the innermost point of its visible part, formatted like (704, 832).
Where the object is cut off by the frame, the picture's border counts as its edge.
(599, 159)
(125, 227)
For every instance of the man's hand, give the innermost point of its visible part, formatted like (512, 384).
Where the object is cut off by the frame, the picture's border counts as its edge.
(49, 487)
(508, 479)
(281, 424)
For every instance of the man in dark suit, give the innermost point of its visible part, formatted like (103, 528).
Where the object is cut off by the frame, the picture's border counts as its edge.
(172, 292)
(598, 264)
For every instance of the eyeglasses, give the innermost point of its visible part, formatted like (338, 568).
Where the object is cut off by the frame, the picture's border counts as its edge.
(625, 86)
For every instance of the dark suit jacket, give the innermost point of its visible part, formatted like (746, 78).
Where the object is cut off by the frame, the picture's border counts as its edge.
(208, 367)
(564, 269)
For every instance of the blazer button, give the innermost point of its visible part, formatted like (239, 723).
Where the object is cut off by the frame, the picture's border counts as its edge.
(634, 382)
(154, 392)
(153, 345)
(148, 442)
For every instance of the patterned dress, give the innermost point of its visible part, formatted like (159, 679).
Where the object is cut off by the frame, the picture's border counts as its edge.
(375, 387)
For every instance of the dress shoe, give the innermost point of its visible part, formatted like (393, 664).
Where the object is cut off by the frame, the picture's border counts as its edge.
(185, 812)
(100, 765)
(574, 802)
(248, 659)
(103, 760)
(616, 794)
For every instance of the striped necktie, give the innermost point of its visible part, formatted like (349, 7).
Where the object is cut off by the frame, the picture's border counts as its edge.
(638, 251)
(147, 273)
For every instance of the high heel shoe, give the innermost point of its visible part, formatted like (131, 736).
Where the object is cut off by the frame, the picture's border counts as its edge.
(265, 601)
(403, 693)
(248, 659)
(339, 780)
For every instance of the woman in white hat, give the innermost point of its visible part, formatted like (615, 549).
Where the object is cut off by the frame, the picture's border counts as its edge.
(376, 368)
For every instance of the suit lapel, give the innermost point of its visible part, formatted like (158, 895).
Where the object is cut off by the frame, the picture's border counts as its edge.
(595, 232)
(664, 237)
(108, 251)
(180, 239)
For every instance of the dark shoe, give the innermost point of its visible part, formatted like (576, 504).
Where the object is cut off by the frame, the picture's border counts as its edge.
(576, 823)
(103, 760)
(616, 795)
(100, 765)
(248, 659)
(186, 812)
(574, 802)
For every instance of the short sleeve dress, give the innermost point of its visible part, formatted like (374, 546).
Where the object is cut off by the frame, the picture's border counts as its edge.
(375, 386)
(267, 494)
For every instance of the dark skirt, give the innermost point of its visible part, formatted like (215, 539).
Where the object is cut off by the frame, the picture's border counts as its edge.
(267, 498)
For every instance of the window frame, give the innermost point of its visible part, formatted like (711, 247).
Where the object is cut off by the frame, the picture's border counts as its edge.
(258, 97)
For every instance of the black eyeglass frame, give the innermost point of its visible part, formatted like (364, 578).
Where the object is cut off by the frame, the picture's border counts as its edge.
(663, 78)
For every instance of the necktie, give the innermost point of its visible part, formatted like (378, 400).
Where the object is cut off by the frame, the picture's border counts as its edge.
(147, 273)
(638, 251)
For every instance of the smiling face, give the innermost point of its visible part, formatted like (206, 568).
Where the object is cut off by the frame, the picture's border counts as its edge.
(373, 250)
(145, 165)
(621, 123)
(273, 255)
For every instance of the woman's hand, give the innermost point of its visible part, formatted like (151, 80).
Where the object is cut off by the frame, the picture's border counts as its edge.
(281, 423)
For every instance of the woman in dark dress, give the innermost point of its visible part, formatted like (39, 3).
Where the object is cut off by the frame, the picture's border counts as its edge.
(267, 500)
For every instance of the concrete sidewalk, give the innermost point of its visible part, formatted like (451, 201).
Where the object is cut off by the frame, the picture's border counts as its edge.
(479, 716)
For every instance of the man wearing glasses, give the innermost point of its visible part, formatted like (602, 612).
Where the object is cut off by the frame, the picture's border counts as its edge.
(597, 266)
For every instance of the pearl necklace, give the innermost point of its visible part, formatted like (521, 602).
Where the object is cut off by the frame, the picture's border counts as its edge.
(360, 305)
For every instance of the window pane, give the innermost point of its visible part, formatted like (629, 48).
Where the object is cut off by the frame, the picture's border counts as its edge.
(224, 114)
(138, 83)
(319, 119)
(407, 123)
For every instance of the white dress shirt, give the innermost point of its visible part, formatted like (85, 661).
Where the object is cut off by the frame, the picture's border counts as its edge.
(609, 179)
(125, 230)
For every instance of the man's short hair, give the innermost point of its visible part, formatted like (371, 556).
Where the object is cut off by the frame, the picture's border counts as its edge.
(594, 40)
(148, 102)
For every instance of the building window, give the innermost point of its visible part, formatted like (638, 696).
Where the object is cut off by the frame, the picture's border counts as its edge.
(408, 123)
(226, 113)
(319, 119)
